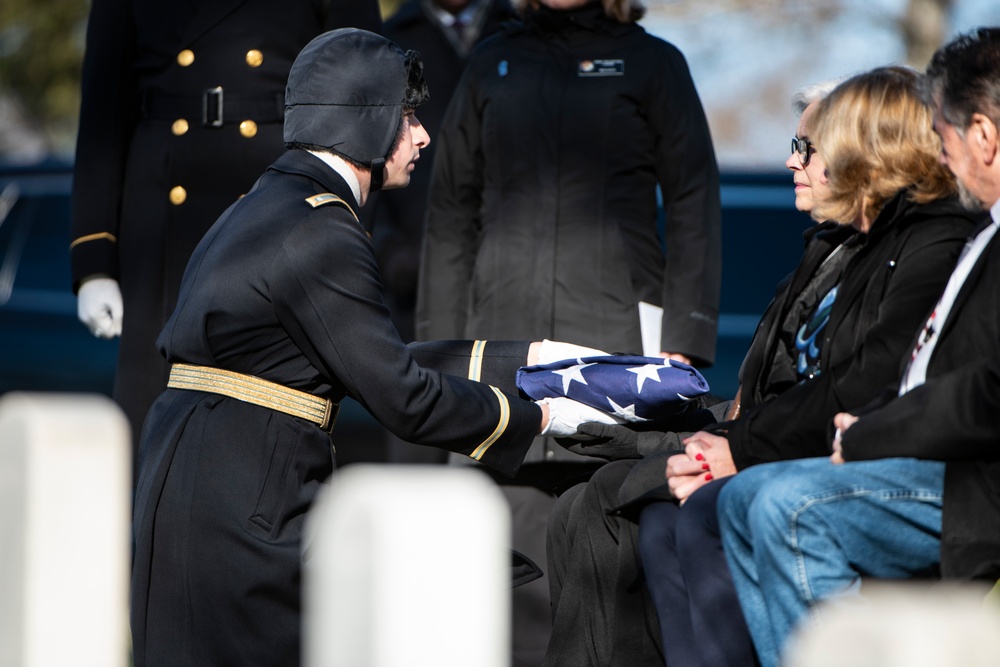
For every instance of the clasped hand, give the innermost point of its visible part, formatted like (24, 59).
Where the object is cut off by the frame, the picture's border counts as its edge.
(706, 457)
(843, 421)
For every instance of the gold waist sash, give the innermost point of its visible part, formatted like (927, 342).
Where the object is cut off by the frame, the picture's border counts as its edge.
(319, 411)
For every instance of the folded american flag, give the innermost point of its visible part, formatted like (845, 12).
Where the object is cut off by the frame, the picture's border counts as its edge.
(634, 388)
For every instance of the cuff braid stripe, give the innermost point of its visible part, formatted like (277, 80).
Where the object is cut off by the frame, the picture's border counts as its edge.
(93, 237)
(499, 430)
(476, 360)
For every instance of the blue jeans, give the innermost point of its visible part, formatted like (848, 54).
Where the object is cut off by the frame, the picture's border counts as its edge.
(798, 532)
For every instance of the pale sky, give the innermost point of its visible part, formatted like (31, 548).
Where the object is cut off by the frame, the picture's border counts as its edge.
(747, 66)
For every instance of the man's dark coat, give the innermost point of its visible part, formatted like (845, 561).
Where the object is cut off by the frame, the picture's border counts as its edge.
(953, 417)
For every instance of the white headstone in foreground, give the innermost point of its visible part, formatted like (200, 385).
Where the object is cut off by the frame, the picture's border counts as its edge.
(65, 483)
(408, 566)
(902, 624)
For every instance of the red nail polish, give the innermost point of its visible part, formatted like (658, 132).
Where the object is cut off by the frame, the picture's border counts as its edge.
(699, 457)
(708, 477)
(705, 466)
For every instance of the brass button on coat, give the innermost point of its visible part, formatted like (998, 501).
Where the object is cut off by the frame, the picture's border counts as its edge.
(248, 128)
(179, 127)
(255, 58)
(178, 195)
(185, 57)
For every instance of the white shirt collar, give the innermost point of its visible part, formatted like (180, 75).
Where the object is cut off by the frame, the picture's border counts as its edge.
(339, 165)
(995, 211)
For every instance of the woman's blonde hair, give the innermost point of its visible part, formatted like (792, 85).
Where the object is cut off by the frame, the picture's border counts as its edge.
(623, 11)
(875, 135)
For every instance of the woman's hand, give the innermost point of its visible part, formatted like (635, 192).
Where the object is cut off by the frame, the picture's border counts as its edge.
(715, 451)
(706, 457)
(685, 475)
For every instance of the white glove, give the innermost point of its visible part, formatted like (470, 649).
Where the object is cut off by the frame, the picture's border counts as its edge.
(551, 350)
(99, 306)
(565, 415)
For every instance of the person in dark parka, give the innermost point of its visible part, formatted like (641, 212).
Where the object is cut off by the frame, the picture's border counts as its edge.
(181, 111)
(542, 216)
(279, 316)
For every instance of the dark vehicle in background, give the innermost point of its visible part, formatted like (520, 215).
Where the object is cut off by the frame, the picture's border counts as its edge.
(43, 347)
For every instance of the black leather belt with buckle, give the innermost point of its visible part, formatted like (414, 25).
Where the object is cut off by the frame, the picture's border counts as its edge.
(215, 106)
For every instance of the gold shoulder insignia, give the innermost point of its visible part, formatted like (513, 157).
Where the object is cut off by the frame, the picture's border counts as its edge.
(325, 198)
(329, 198)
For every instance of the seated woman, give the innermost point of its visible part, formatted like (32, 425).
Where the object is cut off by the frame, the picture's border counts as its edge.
(881, 155)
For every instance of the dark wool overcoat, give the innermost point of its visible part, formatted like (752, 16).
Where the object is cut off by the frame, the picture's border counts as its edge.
(288, 291)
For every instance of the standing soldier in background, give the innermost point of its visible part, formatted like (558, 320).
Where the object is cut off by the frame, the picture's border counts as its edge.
(181, 112)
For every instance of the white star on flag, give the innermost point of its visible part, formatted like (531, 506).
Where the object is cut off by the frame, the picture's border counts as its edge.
(627, 413)
(647, 372)
(570, 374)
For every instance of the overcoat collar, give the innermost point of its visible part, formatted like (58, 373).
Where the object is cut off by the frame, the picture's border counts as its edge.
(302, 163)
(209, 14)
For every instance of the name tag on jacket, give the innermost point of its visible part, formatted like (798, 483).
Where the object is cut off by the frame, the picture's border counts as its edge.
(600, 68)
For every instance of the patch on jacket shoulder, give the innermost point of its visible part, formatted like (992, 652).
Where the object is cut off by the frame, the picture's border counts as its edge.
(604, 67)
(325, 198)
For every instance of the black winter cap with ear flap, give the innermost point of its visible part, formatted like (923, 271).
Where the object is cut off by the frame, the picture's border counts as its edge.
(347, 90)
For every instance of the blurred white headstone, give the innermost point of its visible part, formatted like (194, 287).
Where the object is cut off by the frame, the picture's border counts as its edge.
(903, 624)
(65, 484)
(408, 566)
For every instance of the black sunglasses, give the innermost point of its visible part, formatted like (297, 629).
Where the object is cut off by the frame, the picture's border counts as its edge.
(804, 148)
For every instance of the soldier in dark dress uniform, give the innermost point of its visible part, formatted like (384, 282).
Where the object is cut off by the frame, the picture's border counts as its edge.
(181, 112)
(279, 316)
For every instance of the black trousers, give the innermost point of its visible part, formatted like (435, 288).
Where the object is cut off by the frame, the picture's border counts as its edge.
(602, 613)
(701, 621)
